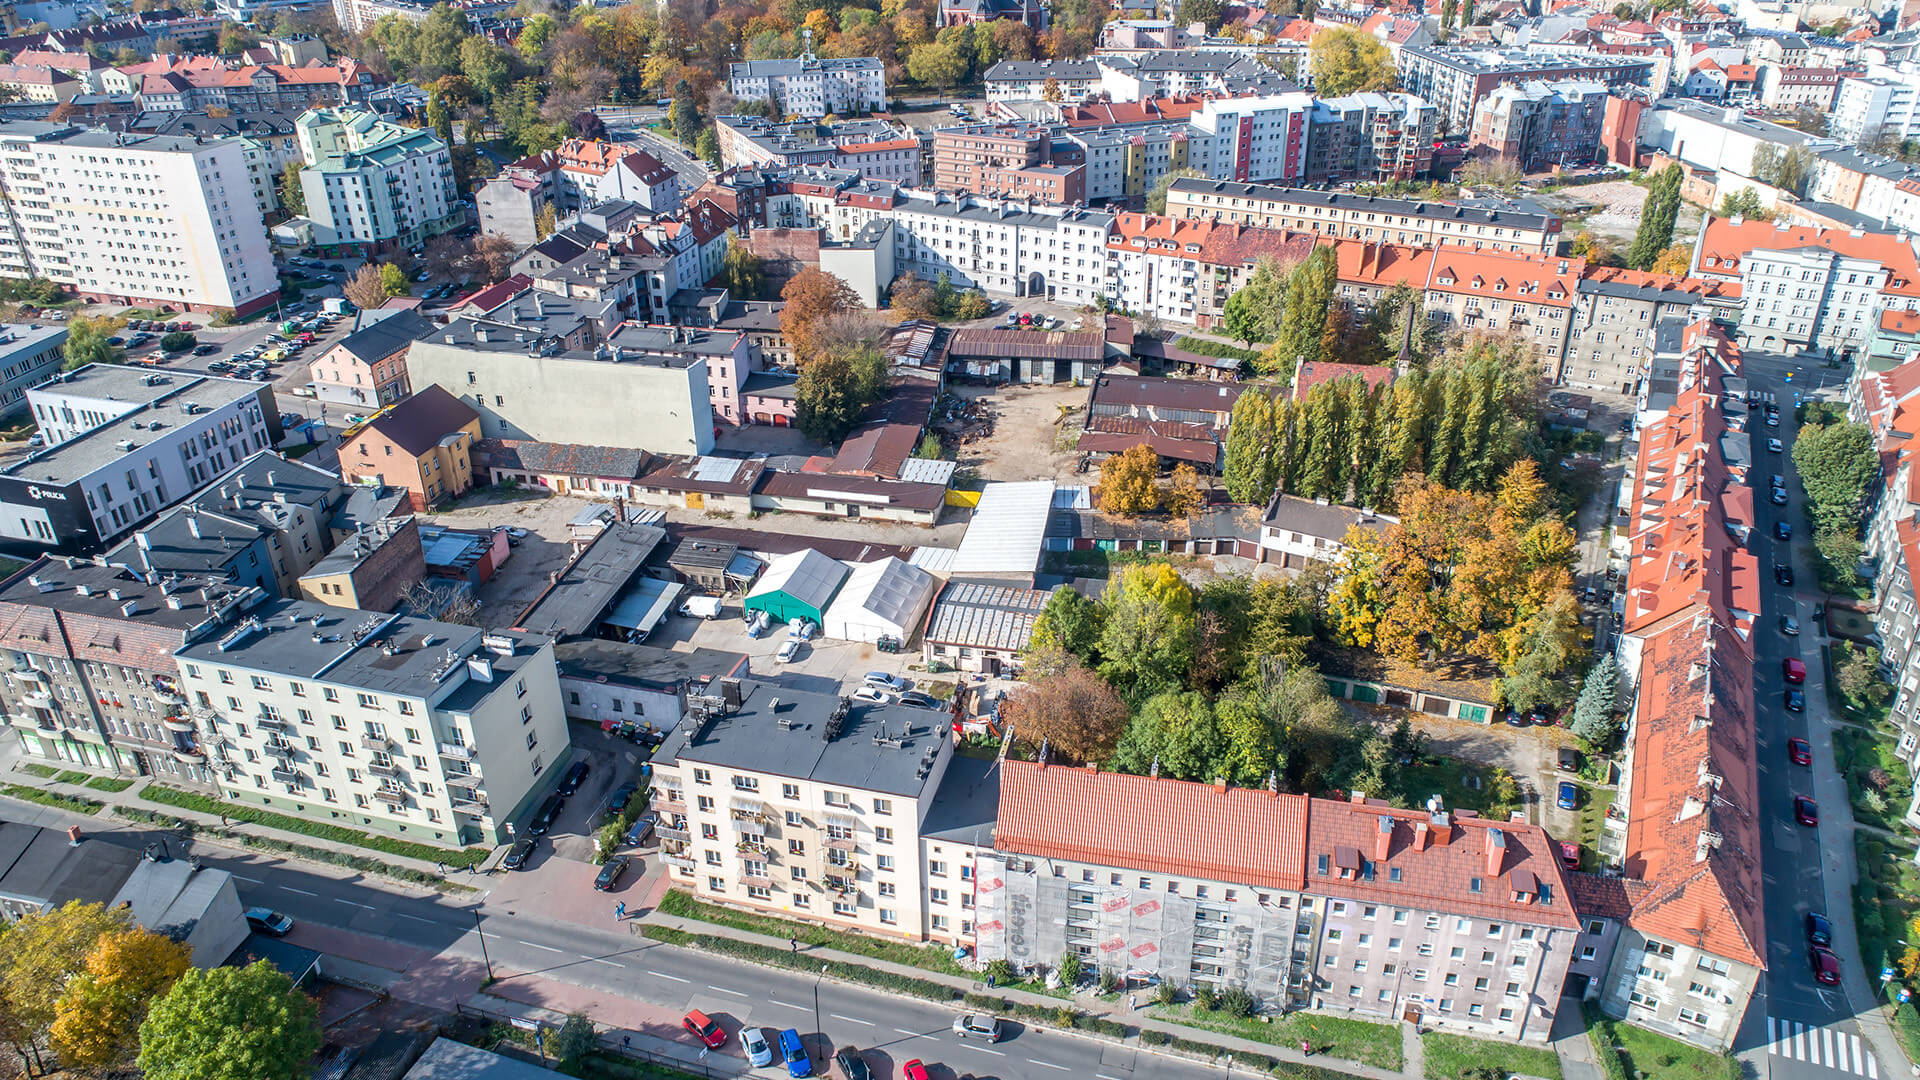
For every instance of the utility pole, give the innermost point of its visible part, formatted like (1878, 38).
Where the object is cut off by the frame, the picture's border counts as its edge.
(483, 943)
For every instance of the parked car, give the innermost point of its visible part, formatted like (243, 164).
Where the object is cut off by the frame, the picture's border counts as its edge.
(1789, 626)
(1567, 796)
(885, 681)
(519, 853)
(610, 873)
(1541, 715)
(268, 921)
(1783, 574)
(703, 1028)
(544, 817)
(978, 1026)
(852, 1065)
(641, 830)
(915, 700)
(1819, 930)
(1806, 811)
(1782, 531)
(1774, 446)
(1795, 700)
(1778, 497)
(576, 775)
(1569, 759)
(205, 350)
(617, 802)
(1515, 717)
(788, 650)
(873, 695)
(1569, 855)
(1793, 670)
(913, 1070)
(753, 1043)
(1825, 965)
(1799, 751)
(794, 1053)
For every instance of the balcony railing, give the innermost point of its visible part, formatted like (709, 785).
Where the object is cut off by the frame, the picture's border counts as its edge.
(391, 796)
(456, 751)
(285, 775)
(385, 769)
(375, 742)
(281, 750)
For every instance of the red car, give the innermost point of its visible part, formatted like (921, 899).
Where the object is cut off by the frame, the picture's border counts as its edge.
(913, 1070)
(1569, 855)
(1800, 751)
(1825, 965)
(704, 1029)
(1793, 670)
(1805, 811)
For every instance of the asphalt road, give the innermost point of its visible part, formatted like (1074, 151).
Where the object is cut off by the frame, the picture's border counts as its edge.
(887, 1030)
(1805, 1029)
(693, 172)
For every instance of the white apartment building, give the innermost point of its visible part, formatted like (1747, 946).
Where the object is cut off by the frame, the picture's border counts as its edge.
(407, 727)
(811, 87)
(134, 219)
(181, 432)
(1003, 246)
(1805, 289)
(1887, 103)
(29, 354)
(806, 805)
(1348, 216)
(372, 185)
(1026, 80)
(1263, 137)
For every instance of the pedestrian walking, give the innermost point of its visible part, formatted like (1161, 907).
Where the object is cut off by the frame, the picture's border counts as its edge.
(1133, 1001)
(620, 909)
(626, 1042)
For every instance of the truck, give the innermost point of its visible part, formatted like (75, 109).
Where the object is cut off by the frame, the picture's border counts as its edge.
(701, 607)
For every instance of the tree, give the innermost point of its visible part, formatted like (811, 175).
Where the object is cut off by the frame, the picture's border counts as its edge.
(1788, 169)
(538, 29)
(486, 66)
(1157, 195)
(235, 39)
(1657, 217)
(178, 341)
(438, 119)
(492, 256)
(707, 146)
(39, 955)
(835, 388)
(684, 115)
(1073, 711)
(1201, 11)
(1345, 60)
(1069, 622)
(87, 343)
(1179, 732)
(97, 1019)
(1127, 481)
(1146, 638)
(293, 197)
(1252, 313)
(1303, 322)
(1050, 91)
(1185, 497)
(368, 287)
(393, 280)
(1838, 466)
(229, 1023)
(741, 269)
(1676, 260)
(573, 1042)
(1857, 675)
(1744, 203)
(1592, 719)
(812, 296)
(1250, 441)
(546, 222)
(936, 65)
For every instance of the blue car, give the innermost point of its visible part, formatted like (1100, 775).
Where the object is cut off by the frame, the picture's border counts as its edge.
(1569, 796)
(794, 1053)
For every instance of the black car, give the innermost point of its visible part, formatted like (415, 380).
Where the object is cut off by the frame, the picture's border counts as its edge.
(1819, 930)
(1782, 531)
(1782, 574)
(913, 699)
(205, 350)
(519, 853)
(618, 800)
(576, 775)
(1796, 700)
(1516, 718)
(544, 817)
(609, 875)
(852, 1065)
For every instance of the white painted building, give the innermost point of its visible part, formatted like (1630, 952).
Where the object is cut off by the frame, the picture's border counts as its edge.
(811, 87)
(1003, 246)
(1887, 103)
(371, 184)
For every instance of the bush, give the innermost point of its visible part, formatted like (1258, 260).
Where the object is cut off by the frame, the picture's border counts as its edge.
(71, 803)
(1167, 992)
(71, 777)
(186, 800)
(1154, 1038)
(109, 783)
(1069, 969)
(178, 341)
(1109, 982)
(1906, 1028)
(1000, 971)
(1220, 349)
(1237, 1002)
(1205, 996)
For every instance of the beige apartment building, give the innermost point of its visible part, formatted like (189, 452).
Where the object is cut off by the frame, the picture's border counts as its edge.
(1348, 216)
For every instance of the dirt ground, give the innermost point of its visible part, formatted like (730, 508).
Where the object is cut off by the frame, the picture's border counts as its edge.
(1034, 431)
(1612, 210)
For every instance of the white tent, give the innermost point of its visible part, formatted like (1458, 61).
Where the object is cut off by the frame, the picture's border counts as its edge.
(880, 599)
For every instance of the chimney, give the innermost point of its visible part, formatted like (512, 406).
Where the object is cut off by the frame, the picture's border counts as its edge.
(193, 525)
(1220, 784)
(1419, 836)
(1441, 824)
(479, 332)
(1383, 839)
(1496, 852)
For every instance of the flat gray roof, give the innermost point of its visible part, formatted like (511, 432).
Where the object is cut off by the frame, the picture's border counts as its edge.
(1347, 200)
(967, 805)
(644, 665)
(780, 731)
(91, 450)
(60, 579)
(589, 585)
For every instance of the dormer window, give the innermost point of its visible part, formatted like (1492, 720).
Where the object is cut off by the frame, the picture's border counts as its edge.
(1347, 860)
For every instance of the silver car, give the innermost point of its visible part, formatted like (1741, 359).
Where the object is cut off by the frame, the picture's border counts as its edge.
(978, 1026)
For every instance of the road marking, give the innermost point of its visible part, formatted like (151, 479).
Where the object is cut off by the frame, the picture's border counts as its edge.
(531, 945)
(600, 960)
(350, 903)
(416, 918)
(788, 1004)
(664, 975)
(922, 1035)
(248, 880)
(982, 1049)
(1104, 1076)
(1049, 1064)
(1826, 1039)
(291, 889)
(851, 1019)
(724, 990)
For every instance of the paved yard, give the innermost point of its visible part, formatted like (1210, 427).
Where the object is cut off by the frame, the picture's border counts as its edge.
(1528, 753)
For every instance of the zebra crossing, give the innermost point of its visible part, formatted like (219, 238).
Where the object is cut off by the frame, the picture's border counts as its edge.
(1838, 1050)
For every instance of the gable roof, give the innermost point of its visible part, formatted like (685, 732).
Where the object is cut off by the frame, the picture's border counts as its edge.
(419, 422)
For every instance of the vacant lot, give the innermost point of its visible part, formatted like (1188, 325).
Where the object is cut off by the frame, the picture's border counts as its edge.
(1034, 432)
(1612, 210)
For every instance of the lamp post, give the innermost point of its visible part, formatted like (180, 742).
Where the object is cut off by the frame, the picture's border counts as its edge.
(816, 998)
(483, 943)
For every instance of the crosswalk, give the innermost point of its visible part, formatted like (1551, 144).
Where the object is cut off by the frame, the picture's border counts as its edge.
(1838, 1050)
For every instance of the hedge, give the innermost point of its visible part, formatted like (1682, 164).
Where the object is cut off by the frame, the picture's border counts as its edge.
(324, 855)
(930, 957)
(1214, 348)
(786, 958)
(339, 834)
(73, 803)
(1906, 1028)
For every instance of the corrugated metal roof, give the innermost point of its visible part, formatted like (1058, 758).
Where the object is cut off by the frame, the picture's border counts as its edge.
(1007, 530)
(986, 616)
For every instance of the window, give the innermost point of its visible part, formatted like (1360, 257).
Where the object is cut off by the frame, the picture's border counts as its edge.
(883, 806)
(790, 791)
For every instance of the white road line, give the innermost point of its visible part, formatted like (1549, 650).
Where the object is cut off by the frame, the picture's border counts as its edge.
(787, 1004)
(1104, 1076)
(601, 960)
(531, 945)
(724, 990)
(352, 903)
(1826, 1038)
(1773, 1035)
(664, 975)
(248, 880)
(415, 918)
(1049, 1064)
(851, 1019)
(1873, 1071)
(982, 1049)
(291, 889)
(1796, 1044)
(924, 1035)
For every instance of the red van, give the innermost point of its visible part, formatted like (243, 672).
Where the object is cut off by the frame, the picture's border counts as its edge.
(1793, 670)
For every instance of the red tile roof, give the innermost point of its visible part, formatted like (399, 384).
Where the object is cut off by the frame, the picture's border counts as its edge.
(1723, 244)
(1314, 372)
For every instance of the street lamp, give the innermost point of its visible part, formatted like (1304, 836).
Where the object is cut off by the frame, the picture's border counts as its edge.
(483, 943)
(816, 998)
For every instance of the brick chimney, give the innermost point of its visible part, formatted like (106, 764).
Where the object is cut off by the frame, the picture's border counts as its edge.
(1383, 839)
(1496, 852)
(1419, 836)
(1442, 826)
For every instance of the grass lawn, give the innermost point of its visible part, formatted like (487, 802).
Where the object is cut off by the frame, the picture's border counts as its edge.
(44, 772)
(1651, 1055)
(1879, 784)
(930, 957)
(71, 777)
(1335, 1036)
(186, 800)
(1485, 788)
(1452, 1055)
(109, 783)
(48, 798)
(1594, 803)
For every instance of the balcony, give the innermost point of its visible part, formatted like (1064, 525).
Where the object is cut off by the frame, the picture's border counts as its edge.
(375, 742)
(178, 724)
(466, 804)
(758, 881)
(456, 751)
(840, 843)
(669, 800)
(385, 769)
(188, 755)
(668, 832)
(281, 749)
(391, 796)
(268, 723)
(285, 775)
(681, 861)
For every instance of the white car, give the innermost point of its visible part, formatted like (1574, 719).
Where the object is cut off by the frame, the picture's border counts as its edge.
(788, 650)
(753, 1042)
(872, 694)
(1774, 446)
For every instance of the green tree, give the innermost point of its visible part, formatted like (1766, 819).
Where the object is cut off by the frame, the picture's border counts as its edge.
(573, 1042)
(87, 343)
(1346, 60)
(546, 222)
(538, 29)
(1744, 203)
(684, 115)
(438, 118)
(1303, 322)
(936, 65)
(97, 1019)
(1592, 719)
(178, 341)
(1179, 731)
(1200, 11)
(707, 146)
(442, 36)
(1157, 194)
(1857, 675)
(1250, 442)
(293, 197)
(1146, 638)
(230, 1023)
(1657, 217)
(1787, 168)
(1449, 9)
(393, 280)
(1324, 467)
(835, 388)
(1069, 622)
(742, 271)
(1553, 638)
(1252, 313)
(1838, 466)
(39, 956)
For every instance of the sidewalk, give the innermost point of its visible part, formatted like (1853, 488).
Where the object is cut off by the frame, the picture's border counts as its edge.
(210, 829)
(1414, 1068)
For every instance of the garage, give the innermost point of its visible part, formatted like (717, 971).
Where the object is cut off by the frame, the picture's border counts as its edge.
(880, 599)
(800, 585)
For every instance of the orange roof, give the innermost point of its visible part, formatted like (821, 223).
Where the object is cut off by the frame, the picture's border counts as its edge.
(1723, 244)
(1621, 275)
(884, 144)
(1098, 114)
(1741, 73)
(1900, 322)
(1298, 30)
(1314, 372)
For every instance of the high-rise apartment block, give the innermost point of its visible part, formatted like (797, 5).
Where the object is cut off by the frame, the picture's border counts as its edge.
(372, 184)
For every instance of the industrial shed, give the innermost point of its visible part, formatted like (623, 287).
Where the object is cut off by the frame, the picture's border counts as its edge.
(800, 585)
(880, 599)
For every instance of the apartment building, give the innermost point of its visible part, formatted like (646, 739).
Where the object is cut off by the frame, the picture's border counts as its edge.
(807, 805)
(875, 149)
(1789, 88)
(358, 16)
(134, 219)
(1035, 80)
(1539, 125)
(1262, 136)
(1864, 108)
(1003, 246)
(392, 724)
(1438, 916)
(1808, 290)
(1364, 217)
(1619, 312)
(1183, 270)
(423, 444)
(811, 87)
(168, 436)
(579, 174)
(527, 387)
(1370, 137)
(29, 355)
(1456, 79)
(367, 369)
(1689, 950)
(1013, 160)
(371, 185)
(92, 680)
(266, 136)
